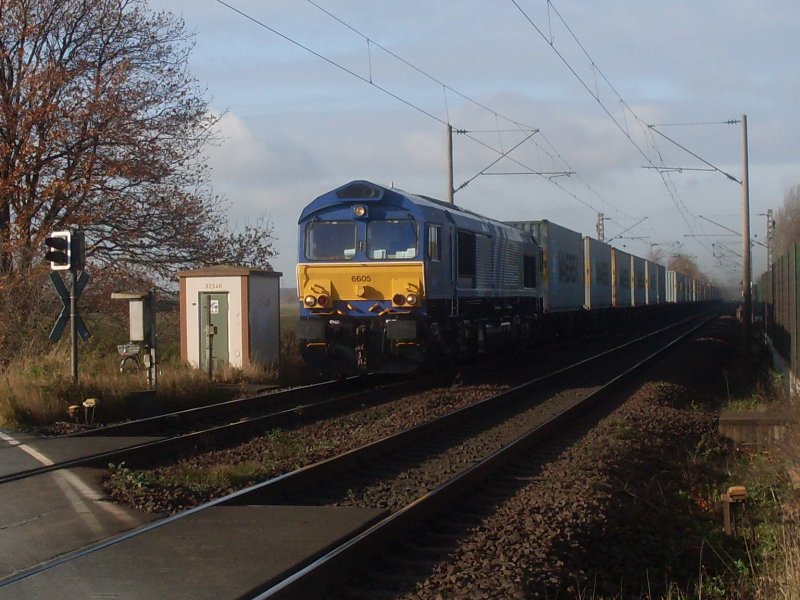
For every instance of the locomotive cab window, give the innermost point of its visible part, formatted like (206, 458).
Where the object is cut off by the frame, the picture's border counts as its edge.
(434, 243)
(391, 239)
(330, 240)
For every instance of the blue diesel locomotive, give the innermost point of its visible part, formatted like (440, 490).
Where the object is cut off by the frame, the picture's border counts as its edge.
(388, 280)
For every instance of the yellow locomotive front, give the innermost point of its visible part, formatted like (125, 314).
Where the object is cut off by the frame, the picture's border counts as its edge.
(361, 284)
(362, 316)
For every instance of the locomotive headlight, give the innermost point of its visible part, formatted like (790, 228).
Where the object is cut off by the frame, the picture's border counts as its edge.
(398, 299)
(359, 211)
(412, 299)
(309, 300)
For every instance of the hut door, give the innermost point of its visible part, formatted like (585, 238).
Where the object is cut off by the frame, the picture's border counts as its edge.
(214, 311)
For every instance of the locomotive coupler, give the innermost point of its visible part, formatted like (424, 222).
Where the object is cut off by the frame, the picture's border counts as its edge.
(361, 345)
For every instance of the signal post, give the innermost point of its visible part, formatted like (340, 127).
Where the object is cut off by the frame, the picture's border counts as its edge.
(65, 252)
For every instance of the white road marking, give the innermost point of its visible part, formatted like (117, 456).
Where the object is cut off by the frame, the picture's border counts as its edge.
(78, 505)
(27, 449)
(75, 489)
(8, 439)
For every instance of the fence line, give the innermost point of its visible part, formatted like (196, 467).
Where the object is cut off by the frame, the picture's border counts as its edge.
(776, 304)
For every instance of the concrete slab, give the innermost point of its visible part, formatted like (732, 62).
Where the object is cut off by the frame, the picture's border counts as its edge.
(755, 427)
(55, 513)
(32, 452)
(219, 553)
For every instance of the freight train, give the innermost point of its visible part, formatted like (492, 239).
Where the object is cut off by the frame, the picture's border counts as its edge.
(388, 281)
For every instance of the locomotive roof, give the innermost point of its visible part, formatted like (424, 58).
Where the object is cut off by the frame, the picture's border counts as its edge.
(367, 192)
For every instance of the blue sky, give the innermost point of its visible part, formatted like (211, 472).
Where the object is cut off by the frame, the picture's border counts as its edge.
(297, 126)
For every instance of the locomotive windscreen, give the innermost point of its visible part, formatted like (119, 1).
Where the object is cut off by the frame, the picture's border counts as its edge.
(393, 239)
(330, 240)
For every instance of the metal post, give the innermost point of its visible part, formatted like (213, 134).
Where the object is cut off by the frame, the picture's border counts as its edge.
(73, 333)
(450, 190)
(746, 266)
(152, 369)
(209, 339)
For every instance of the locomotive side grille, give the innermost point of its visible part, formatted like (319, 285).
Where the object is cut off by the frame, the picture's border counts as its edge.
(483, 252)
(508, 264)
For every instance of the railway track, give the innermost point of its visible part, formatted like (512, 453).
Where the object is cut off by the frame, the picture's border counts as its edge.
(418, 472)
(200, 427)
(441, 462)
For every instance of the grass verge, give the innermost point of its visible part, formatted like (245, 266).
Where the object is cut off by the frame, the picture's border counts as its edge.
(36, 391)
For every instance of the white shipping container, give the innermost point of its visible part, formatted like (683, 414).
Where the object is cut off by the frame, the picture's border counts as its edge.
(638, 281)
(597, 273)
(678, 287)
(621, 276)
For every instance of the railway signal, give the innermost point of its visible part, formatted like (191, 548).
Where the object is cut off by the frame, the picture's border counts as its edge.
(65, 250)
(66, 253)
(59, 251)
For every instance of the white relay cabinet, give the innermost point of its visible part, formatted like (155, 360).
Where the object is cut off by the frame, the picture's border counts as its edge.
(240, 306)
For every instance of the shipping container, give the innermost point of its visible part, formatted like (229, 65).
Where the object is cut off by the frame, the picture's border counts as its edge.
(638, 281)
(651, 282)
(661, 273)
(621, 276)
(597, 273)
(563, 266)
(678, 287)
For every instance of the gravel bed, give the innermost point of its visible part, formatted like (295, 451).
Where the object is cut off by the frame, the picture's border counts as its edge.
(190, 481)
(208, 475)
(616, 515)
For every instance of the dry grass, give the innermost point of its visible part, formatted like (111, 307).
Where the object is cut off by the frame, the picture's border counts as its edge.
(770, 525)
(36, 390)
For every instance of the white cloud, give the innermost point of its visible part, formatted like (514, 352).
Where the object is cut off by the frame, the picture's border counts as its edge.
(298, 126)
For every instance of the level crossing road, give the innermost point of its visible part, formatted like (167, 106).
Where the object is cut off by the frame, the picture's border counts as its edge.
(51, 514)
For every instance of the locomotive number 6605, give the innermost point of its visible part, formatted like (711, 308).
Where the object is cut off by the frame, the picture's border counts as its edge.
(361, 278)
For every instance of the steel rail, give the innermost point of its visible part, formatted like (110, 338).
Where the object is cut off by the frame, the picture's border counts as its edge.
(150, 449)
(398, 521)
(216, 410)
(277, 418)
(335, 566)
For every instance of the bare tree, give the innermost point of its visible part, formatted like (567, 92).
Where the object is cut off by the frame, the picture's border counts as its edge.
(686, 265)
(103, 128)
(787, 223)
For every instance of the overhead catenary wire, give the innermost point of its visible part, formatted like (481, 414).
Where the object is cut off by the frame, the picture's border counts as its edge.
(700, 158)
(550, 40)
(521, 127)
(554, 155)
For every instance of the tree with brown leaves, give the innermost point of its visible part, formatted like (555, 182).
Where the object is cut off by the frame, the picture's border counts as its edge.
(103, 128)
(686, 265)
